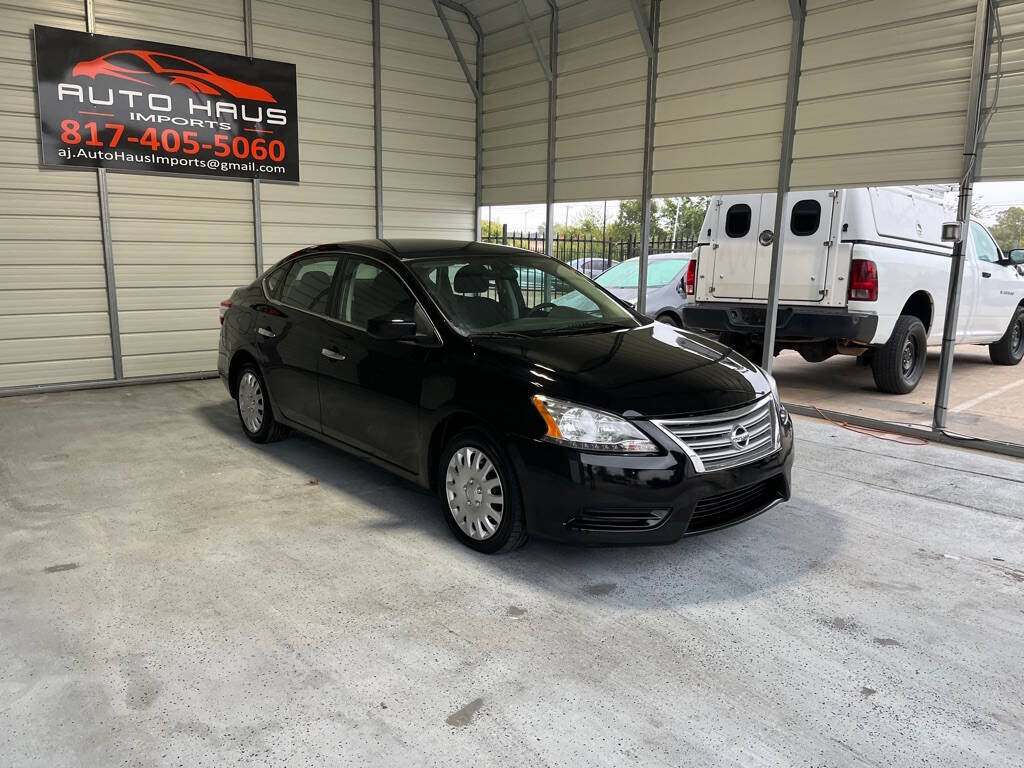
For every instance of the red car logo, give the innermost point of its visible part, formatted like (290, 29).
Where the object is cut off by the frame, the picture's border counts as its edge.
(144, 67)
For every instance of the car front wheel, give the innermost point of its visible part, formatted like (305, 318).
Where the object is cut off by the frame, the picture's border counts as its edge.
(1009, 350)
(480, 494)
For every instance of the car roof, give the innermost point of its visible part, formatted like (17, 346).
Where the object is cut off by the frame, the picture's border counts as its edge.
(413, 248)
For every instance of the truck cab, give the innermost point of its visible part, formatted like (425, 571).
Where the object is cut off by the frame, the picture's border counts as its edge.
(864, 273)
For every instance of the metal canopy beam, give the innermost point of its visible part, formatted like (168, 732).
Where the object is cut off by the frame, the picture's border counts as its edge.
(113, 318)
(641, 25)
(378, 148)
(534, 40)
(796, 46)
(549, 195)
(972, 140)
(257, 208)
(476, 85)
(473, 86)
(648, 171)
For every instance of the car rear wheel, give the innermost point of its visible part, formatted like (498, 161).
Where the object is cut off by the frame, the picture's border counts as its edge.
(1009, 350)
(668, 319)
(897, 366)
(254, 410)
(480, 494)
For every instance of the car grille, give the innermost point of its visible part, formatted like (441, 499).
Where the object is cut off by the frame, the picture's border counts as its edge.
(624, 519)
(729, 439)
(733, 506)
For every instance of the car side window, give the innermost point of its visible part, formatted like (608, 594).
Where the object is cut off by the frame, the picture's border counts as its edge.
(369, 289)
(308, 283)
(806, 218)
(273, 281)
(984, 247)
(737, 220)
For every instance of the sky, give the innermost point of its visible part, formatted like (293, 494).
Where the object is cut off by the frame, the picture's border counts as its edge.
(990, 198)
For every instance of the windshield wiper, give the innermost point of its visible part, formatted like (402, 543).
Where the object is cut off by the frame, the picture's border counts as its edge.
(584, 327)
(498, 335)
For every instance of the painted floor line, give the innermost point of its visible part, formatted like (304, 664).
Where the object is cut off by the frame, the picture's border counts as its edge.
(987, 396)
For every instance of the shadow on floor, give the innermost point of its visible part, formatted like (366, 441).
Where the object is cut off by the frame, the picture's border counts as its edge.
(781, 546)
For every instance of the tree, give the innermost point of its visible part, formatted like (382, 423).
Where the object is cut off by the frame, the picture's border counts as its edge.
(629, 223)
(1009, 228)
(682, 217)
(490, 228)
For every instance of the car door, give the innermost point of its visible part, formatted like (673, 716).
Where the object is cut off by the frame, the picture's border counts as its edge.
(370, 387)
(734, 247)
(1000, 286)
(290, 330)
(807, 243)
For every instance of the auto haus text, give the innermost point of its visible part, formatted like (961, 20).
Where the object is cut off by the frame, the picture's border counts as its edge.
(154, 108)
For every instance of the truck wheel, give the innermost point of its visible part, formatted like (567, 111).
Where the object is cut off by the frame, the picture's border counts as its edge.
(898, 365)
(1010, 349)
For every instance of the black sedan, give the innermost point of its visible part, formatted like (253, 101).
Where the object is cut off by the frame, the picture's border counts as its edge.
(581, 421)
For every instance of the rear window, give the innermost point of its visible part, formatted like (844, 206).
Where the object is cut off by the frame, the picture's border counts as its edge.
(805, 218)
(737, 220)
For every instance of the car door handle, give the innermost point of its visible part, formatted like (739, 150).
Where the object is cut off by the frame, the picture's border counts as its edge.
(330, 354)
(986, 274)
(266, 332)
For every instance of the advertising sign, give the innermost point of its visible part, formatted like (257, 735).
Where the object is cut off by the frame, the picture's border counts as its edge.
(134, 105)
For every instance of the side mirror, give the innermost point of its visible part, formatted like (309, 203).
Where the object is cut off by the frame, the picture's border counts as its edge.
(1016, 256)
(391, 327)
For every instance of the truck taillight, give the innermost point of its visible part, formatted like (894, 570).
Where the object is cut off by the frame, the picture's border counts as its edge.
(863, 280)
(691, 277)
(224, 307)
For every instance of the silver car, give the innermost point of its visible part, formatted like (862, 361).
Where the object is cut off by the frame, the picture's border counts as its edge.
(666, 293)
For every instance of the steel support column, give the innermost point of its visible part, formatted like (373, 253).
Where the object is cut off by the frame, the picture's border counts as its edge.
(974, 136)
(476, 85)
(648, 169)
(378, 150)
(549, 175)
(796, 46)
(257, 212)
(108, 246)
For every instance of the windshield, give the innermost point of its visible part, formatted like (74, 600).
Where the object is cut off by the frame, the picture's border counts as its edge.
(514, 294)
(625, 275)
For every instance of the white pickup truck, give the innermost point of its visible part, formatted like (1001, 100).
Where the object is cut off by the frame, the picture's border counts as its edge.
(864, 273)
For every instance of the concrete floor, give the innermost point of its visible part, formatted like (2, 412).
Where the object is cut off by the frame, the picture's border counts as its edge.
(985, 400)
(171, 594)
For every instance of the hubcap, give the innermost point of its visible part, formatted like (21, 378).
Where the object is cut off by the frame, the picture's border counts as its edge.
(250, 402)
(474, 493)
(909, 357)
(1017, 340)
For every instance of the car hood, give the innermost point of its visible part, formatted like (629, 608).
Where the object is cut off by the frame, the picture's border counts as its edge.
(653, 370)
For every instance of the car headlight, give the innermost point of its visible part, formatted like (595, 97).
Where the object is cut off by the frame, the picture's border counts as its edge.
(589, 429)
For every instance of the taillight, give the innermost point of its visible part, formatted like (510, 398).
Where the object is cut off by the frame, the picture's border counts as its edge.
(863, 280)
(691, 277)
(224, 307)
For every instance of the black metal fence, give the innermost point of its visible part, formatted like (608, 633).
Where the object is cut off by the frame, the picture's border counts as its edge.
(570, 249)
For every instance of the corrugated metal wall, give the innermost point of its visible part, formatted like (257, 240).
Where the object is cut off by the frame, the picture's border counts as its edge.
(883, 92)
(722, 71)
(181, 244)
(428, 122)
(53, 304)
(1003, 155)
(331, 45)
(515, 126)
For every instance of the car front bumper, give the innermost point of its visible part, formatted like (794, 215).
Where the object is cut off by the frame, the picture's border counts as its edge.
(591, 498)
(795, 323)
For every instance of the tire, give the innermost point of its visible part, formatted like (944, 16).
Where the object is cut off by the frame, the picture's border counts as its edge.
(1009, 350)
(898, 365)
(668, 319)
(253, 406)
(468, 467)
